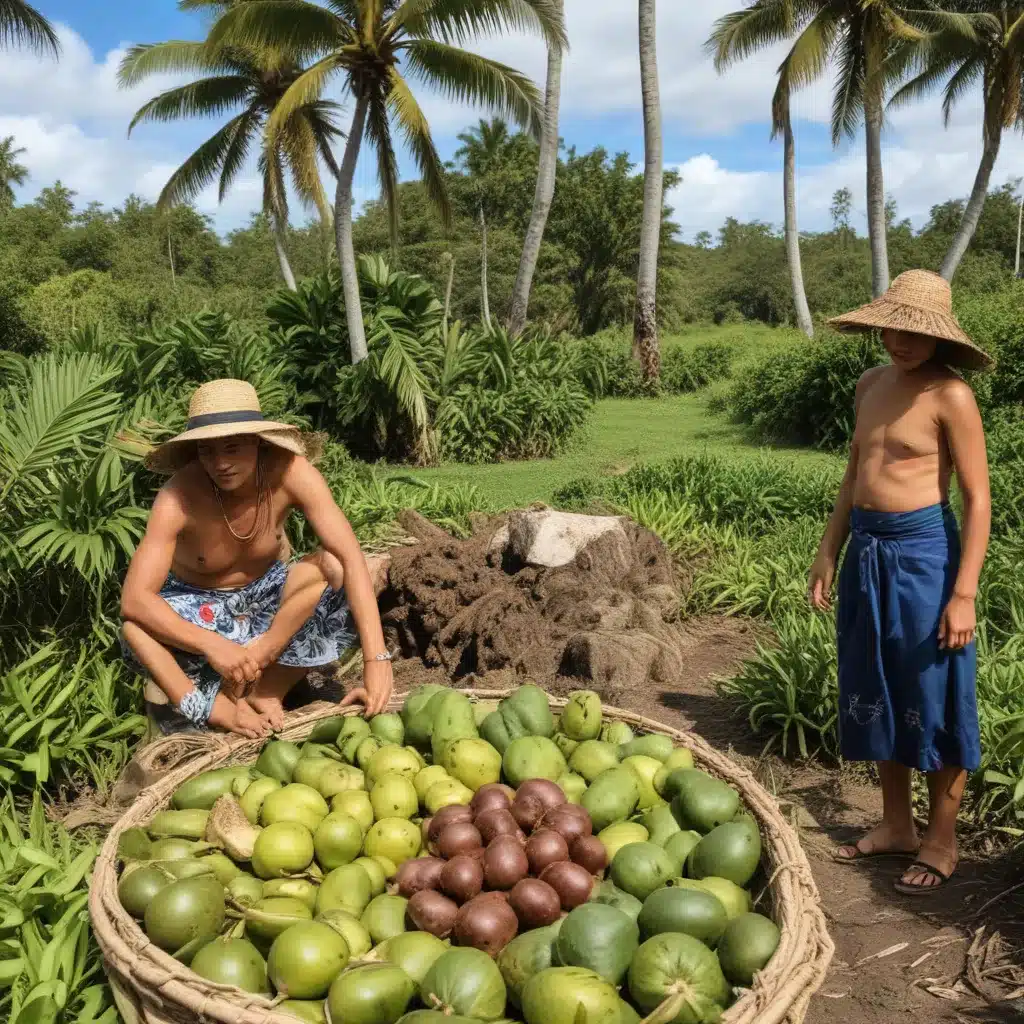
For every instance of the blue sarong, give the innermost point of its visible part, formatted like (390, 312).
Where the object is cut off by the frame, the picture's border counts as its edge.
(901, 697)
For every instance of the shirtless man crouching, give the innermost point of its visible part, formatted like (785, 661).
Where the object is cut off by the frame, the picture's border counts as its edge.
(906, 617)
(215, 612)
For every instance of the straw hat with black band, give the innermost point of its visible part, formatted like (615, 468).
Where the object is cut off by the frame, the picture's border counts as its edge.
(920, 302)
(227, 408)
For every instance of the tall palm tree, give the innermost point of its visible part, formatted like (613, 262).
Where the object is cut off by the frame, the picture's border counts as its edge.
(965, 50)
(645, 317)
(376, 45)
(22, 25)
(544, 191)
(11, 172)
(480, 153)
(232, 77)
(857, 37)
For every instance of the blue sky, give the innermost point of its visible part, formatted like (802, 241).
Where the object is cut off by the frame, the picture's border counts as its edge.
(72, 119)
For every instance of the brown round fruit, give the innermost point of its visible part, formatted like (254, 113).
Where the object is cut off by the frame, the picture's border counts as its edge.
(572, 882)
(462, 878)
(461, 837)
(569, 821)
(450, 815)
(496, 822)
(429, 911)
(419, 873)
(589, 852)
(486, 924)
(535, 903)
(549, 793)
(528, 810)
(505, 863)
(545, 847)
(492, 796)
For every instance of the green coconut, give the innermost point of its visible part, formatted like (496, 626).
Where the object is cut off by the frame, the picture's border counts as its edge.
(305, 960)
(185, 912)
(232, 962)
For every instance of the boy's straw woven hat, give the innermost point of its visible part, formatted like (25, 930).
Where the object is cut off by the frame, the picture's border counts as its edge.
(226, 408)
(921, 302)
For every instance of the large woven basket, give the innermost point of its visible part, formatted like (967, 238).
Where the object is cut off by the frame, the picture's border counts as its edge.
(153, 988)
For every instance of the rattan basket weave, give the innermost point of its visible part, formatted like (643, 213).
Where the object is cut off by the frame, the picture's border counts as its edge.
(154, 988)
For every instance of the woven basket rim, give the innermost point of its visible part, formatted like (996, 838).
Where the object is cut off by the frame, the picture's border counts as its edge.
(164, 991)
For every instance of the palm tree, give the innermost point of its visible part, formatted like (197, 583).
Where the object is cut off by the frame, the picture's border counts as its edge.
(965, 49)
(480, 153)
(544, 191)
(22, 25)
(231, 78)
(645, 318)
(376, 44)
(858, 38)
(11, 172)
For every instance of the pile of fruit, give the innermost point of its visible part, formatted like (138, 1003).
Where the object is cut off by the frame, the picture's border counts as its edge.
(460, 862)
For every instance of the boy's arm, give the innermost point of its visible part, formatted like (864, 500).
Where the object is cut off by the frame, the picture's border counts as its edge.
(309, 492)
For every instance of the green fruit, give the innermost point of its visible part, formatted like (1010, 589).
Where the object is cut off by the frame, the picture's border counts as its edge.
(352, 733)
(454, 720)
(269, 917)
(435, 1017)
(731, 851)
(173, 849)
(308, 770)
(734, 898)
(384, 917)
(473, 761)
(653, 745)
(393, 796)
(297, 888)
(703, 803)
(184, 912)
(644, 768)
(592, 757)
(611, 895)
(565, 745)
(133, 844)
(294, 802)
(678, 965)
(373, 994)
(139, 885)
(581, 717)
(345, 888)
(392, 760)
(311, 1010)
(185, 868)
(375, 872)
(414, 952)
(284, 848)
(368, 750)
(526, 712)
(683, 778)
(679, 758)
(245, 890)
(337, 840)
(573, 786)
(599, 937)
(426, 777)
(251, 801)
(747, 944)
(311, 749)
(616, 733)
(278, 759)
(640, 868)
(190, 824)
(340, 778)
(447, 791)
(532, 757)
(395, 838)
(678, 847)
(350, 928)
(661, 823)
(232, 962)
(356, 804)
(482, 708)
(615, 837)
(204, 790)
(389, 867)
(388, 728)
(465, 982)
(570, 995)
(223, 867)
(327, 729)
(418, 723)
(683, 910)
(612, 797)
(527, 954)
(305, 959)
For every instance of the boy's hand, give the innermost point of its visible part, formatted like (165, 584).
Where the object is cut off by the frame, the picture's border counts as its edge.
(819, 587)
(958, 623)
(376, 689)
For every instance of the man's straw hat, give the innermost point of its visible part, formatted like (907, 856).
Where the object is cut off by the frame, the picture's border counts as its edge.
(225, 408)
(921, 302)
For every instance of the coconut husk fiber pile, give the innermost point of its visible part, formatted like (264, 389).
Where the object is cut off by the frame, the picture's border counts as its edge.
(538, 594)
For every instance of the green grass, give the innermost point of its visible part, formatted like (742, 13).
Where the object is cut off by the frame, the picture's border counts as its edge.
(624, 432)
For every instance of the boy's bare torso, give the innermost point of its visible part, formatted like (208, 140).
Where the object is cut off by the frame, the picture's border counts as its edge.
(206, 554)
(903, 461)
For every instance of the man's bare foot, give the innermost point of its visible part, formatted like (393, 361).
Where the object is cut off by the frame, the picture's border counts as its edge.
(932, 867)
(270, 708)
(881, 840)
(248, 718)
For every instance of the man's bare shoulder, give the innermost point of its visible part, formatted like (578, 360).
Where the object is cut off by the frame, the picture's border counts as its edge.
(954, 393)
(188, 485)
(868, 379)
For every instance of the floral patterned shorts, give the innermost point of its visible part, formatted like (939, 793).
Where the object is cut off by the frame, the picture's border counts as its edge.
(242, 615)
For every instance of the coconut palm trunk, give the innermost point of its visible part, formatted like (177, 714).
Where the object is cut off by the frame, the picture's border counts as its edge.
(543, 193)
(975, 205)
(485, 299)
(343, 233)
(796, 272)
(645, 317)
(278, 230)
(877, 227)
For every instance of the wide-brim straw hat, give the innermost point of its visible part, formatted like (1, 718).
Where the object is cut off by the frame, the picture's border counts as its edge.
(921, 302)
(226, 408)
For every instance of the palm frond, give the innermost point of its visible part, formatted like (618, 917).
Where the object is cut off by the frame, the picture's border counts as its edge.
(469, 78)
(810, 53)
(275, 191)
(848, 98)
(174, 57)
(237, 151)
(378, 131)
(208, 97)
(735, 36)
(938, 68)
(271, 27)
(458, 21)
(962, 80)
(304, 92)
(200, 169)
(21, 24)
(298, 147)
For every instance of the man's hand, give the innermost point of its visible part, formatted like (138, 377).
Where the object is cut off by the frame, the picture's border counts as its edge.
(375, 692)
(238, 718)
(819, 587)
(234, 663)
(958, 623)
